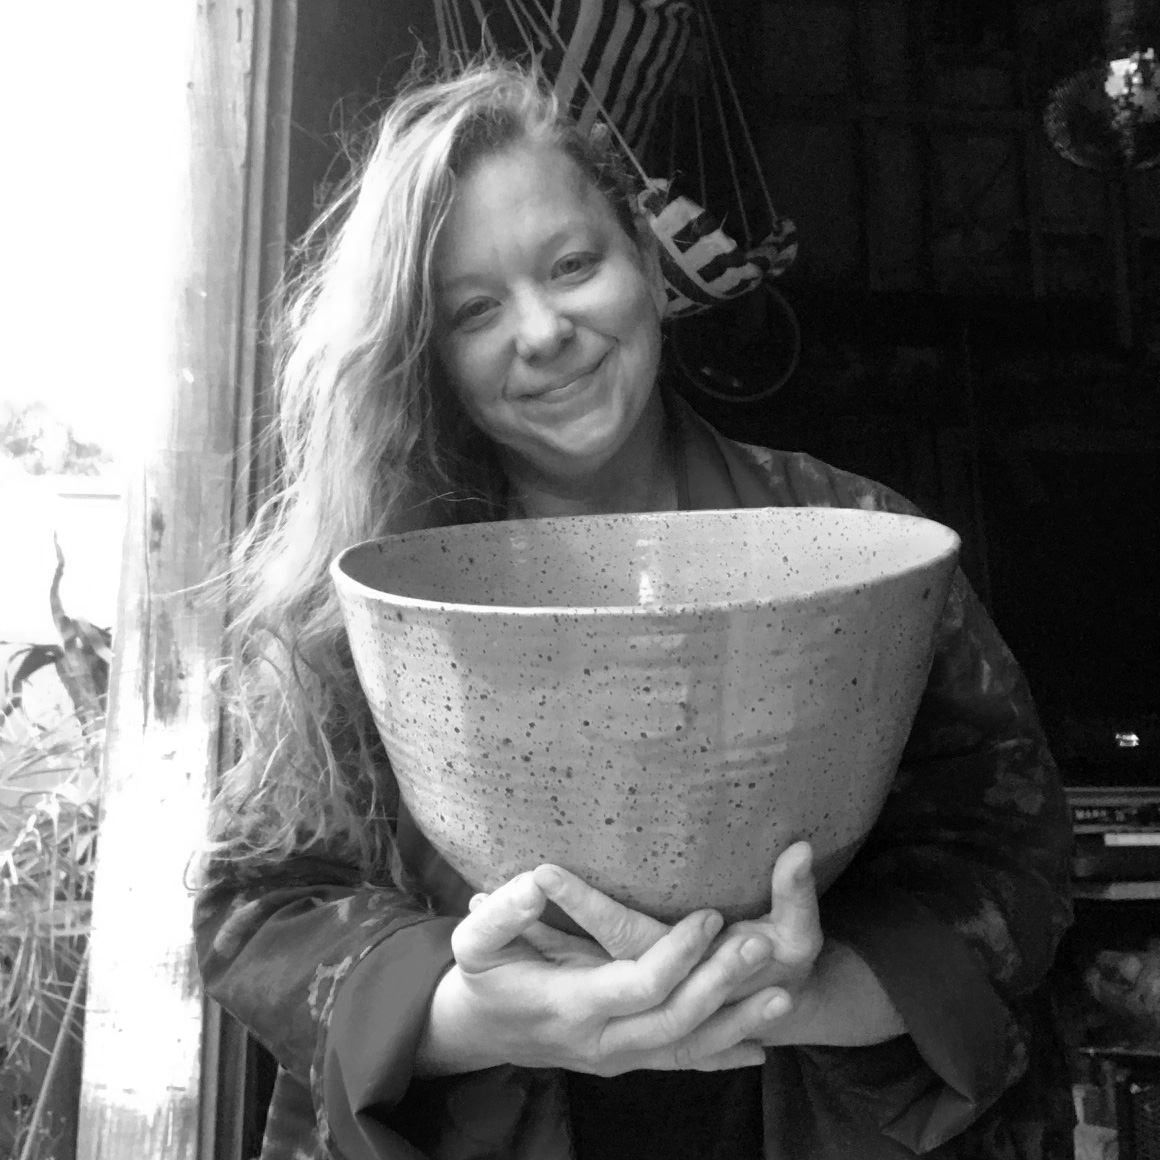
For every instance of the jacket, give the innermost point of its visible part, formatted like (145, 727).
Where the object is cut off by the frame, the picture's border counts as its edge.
(957, 901)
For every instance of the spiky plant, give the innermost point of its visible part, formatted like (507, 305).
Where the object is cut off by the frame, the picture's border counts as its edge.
(49, 803)
(47, 848)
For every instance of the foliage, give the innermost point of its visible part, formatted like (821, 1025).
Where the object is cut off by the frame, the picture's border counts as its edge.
(24, 664)
(82, 660)
(49, 804)
(35, 440)
(47, 850)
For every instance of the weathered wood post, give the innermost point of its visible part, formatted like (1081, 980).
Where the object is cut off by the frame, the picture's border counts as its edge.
(152, 1055)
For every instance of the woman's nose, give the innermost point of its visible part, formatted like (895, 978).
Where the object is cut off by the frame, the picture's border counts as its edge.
(541, 328)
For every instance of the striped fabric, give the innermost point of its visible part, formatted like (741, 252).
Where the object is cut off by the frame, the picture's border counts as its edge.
(618, 56)
(616, 60)
(701, 264)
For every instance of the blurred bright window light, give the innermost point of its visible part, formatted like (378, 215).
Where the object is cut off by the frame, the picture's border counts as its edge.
(95, 120)
(89, 111)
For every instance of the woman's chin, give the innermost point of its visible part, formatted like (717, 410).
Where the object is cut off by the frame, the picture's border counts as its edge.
(583, 447)
(595, 448)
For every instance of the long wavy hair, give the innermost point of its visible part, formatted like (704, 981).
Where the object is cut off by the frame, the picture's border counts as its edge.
(370, 441)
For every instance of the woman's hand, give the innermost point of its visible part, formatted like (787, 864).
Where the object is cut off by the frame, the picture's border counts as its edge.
(792, 928)
(830, 995)
(793, 925)
(554, 1000)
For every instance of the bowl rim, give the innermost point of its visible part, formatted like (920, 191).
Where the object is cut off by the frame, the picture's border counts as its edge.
(342, 579)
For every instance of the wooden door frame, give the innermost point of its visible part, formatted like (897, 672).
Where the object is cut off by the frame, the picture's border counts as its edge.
(164, 1072)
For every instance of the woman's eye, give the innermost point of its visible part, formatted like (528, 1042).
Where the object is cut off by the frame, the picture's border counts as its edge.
(572, 264)
(473, 312)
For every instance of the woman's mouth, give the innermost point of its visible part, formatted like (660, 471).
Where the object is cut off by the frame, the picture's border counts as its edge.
(565, 390)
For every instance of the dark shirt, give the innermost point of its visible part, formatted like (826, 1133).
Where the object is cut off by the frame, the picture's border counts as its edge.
(667, 1115)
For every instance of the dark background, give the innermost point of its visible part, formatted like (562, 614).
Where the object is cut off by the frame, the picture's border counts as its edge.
(980, 318)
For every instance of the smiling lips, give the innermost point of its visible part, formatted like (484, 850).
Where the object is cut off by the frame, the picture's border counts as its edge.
(558, 389)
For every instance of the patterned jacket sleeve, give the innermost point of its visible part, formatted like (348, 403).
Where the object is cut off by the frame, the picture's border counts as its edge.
(280, 951)
(961, 893)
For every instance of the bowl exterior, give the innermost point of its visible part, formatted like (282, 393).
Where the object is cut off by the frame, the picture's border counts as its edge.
(665, 758)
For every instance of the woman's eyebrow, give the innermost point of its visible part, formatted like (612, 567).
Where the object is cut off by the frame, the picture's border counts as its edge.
(448, 285)
(567, 230)
(557, 237)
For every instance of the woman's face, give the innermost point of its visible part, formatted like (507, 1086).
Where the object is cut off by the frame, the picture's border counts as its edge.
(548, 314)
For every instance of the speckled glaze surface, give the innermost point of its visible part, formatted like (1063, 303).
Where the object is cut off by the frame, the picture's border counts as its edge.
(662, 703)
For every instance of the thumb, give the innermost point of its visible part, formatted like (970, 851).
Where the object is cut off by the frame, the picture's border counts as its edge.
(797, 928)
(495, 921)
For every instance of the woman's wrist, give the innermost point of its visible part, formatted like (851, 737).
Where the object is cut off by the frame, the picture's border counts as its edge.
(842, 1004)
(448, 1045)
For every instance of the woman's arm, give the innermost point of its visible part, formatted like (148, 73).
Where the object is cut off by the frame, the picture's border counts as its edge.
(960, 896)
(273, 947)
(357, 991)
(832, 996)
(565, 1003)
(842, 1005)
(944, 921)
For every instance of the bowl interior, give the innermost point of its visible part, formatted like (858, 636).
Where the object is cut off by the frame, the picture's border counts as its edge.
(668, 559)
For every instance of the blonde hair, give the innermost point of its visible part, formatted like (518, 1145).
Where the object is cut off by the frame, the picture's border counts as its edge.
(370, 442)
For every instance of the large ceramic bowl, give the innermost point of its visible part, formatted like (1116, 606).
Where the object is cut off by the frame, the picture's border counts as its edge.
(661, 703)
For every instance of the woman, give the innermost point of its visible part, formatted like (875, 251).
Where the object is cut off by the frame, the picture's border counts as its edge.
(481, 340)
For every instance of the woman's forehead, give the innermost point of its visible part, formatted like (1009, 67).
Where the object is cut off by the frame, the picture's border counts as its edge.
(527, 176)
(526, 195)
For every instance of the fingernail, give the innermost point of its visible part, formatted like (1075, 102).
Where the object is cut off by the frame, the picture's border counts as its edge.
(549, 878)
(755, 950)
(776, 1007)
(713, 924)
(531, 895)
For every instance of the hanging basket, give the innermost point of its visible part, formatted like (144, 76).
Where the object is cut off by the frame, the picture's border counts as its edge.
(744, 351)
(614, 60)
(613, 63)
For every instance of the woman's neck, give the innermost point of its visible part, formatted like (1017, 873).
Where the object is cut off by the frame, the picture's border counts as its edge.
(640, 477)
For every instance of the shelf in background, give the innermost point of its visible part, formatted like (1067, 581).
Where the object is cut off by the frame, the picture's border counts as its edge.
(1117, 891)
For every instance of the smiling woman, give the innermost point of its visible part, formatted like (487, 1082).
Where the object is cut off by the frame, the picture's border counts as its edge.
(548, 332)
(478, 338)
